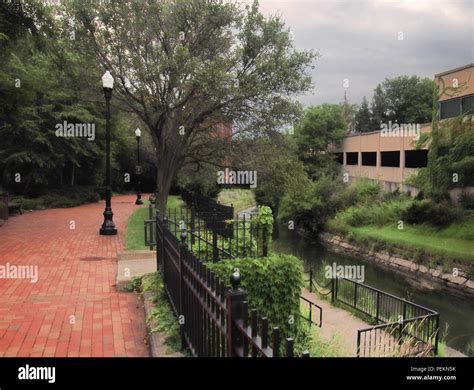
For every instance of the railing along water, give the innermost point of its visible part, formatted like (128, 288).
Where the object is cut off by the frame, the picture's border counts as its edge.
(406, 329)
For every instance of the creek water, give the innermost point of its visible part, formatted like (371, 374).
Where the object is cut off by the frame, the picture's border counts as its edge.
(456, 314)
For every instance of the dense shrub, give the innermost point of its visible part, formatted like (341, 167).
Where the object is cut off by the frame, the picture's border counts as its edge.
(361, 191)
(65, 197)
(273, 286)
(311, 204)
(378, 213)
(426, 211)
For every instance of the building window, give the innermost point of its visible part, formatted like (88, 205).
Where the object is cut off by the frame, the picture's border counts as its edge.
(416, 158)
(390, 159)
(468, 104)
(450, 108)
(352, 158)
(339, 158)
(369, 159)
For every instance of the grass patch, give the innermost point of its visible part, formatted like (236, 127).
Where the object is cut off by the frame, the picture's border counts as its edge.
(134, 233)
(240, 198)
(432, 241)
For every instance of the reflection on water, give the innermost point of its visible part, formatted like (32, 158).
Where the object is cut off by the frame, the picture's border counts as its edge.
(455, 313)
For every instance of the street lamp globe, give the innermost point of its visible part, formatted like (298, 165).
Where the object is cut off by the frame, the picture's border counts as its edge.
(138, 132)
(107, 80)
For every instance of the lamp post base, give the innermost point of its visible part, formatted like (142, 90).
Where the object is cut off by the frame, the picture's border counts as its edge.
(139, 200)
(108, 227)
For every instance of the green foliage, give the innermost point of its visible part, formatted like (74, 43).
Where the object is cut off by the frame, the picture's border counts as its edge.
(60, 198)
(264, 221)
(320, 127)
(56, 84)
(405, 99)
(221, 62)
(134, 233)
(162, 313)
(279, 169)
(363, 118)
(379, 213)
(427, 211)
(450, 157)
(134, 285)
(273, 286)
(241, 199)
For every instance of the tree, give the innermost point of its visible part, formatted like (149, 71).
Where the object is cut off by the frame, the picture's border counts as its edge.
(44, 81)
(363, 118)
(183, 66)
(320, 127)
(349, 113)
(405, 99)
(275, 159)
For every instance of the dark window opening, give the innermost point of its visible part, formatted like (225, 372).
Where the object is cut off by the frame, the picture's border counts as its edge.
(450, 108)
(390, 159)
(468, 104)
(339, 158)
(352, 158)
(416, 158)
(369, 159)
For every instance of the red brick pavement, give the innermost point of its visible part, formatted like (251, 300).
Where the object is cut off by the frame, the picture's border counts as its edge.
(74, 308)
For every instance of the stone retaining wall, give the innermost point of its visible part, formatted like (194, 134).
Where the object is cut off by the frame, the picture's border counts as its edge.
(460, 284)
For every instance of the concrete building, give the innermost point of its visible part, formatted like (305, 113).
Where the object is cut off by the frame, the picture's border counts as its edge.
(389, 154)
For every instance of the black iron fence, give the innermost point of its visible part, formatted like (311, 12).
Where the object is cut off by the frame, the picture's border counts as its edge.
(406, 329)
(214, 320)
(212, 213)
(207, 241)
(414, 326)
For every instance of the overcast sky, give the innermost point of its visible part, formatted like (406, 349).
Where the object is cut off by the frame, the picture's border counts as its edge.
(358, 40)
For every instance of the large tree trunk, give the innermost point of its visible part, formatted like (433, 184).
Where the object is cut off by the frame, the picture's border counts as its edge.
(166, 170)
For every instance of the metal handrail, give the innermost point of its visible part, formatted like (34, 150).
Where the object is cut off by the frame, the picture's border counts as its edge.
(390, 295)
(309, 319)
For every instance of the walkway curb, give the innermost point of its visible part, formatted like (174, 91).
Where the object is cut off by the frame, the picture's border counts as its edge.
(156, 340)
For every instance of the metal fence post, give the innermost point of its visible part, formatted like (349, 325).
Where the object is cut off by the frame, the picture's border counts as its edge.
(182, 254)
(150, 216)
(235, 300)
(437, 334)
(377, 309)
(192, 224)
(333, 288)
(163, 248)
(158, 255)
(264, 243)
(215, 253)
(355, 295)
(358, 343)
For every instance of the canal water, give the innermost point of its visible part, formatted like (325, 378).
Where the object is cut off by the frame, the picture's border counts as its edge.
(456, 314)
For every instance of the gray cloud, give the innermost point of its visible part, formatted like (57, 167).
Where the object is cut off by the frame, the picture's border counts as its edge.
(358, 40)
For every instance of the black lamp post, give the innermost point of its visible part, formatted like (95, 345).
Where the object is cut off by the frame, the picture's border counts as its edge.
(108, 227)
(138, 134)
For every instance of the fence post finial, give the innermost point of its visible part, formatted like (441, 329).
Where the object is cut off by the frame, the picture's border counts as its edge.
(235, 279)
(183, 235)
(235, 302)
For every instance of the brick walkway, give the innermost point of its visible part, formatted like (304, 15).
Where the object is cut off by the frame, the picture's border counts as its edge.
(74, 308)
